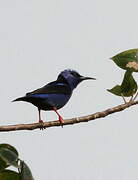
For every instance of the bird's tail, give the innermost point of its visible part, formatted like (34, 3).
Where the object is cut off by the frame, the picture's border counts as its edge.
(24, 98)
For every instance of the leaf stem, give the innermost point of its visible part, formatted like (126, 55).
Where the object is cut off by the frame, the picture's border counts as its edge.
(135, 96)
(123, 98)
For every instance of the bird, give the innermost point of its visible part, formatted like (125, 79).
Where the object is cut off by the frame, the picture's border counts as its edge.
(56, 94)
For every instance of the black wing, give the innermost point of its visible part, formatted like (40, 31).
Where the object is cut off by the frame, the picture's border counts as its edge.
(53, 88)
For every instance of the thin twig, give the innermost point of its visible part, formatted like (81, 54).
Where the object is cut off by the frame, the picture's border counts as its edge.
(68, 121)
(124, 98)
(135, 96)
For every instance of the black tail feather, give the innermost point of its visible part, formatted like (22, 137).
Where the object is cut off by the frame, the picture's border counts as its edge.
(20, 99)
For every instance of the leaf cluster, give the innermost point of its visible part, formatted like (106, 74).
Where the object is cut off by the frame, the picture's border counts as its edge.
(9, 157)
(127, 60)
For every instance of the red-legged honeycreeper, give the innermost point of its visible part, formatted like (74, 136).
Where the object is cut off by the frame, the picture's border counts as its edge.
(56, 94)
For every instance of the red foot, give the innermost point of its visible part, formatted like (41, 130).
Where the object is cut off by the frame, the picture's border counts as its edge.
(42, 123)
(61, 120)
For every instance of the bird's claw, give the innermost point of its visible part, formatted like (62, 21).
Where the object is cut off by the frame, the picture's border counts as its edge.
(41, 125)
(61, 121)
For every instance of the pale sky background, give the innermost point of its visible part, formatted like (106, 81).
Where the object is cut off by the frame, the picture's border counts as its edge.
(39, 39)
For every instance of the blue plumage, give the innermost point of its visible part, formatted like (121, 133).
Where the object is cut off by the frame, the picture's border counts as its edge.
(48, 101)
(56, 94)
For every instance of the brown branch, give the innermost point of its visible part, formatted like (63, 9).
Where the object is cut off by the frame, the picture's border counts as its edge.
(68, 121)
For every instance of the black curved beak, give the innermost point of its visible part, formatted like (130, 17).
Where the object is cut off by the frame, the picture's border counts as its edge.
(86, 78)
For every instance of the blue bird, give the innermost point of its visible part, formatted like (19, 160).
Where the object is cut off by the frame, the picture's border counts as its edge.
(56, 94)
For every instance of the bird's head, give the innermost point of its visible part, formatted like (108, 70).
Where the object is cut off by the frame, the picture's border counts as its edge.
(73, 78)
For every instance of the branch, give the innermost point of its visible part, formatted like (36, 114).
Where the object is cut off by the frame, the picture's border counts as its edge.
(68, 121)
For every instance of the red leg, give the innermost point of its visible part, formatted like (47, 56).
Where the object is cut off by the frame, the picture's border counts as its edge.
(59, 116)
(40, 121)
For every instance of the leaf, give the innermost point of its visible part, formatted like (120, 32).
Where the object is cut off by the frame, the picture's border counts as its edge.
(127, 88)
(9, 175)
(116, 90)
(25, 171)
(129, 85)
(8, 156)
(127, 60)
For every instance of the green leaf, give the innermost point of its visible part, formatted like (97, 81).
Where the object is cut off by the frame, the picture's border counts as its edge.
(8, 146)
(8, 156)
(9, 175)
(127, 88)
(116, 90)
(129, 85)
(25, 172)
(127, 60)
